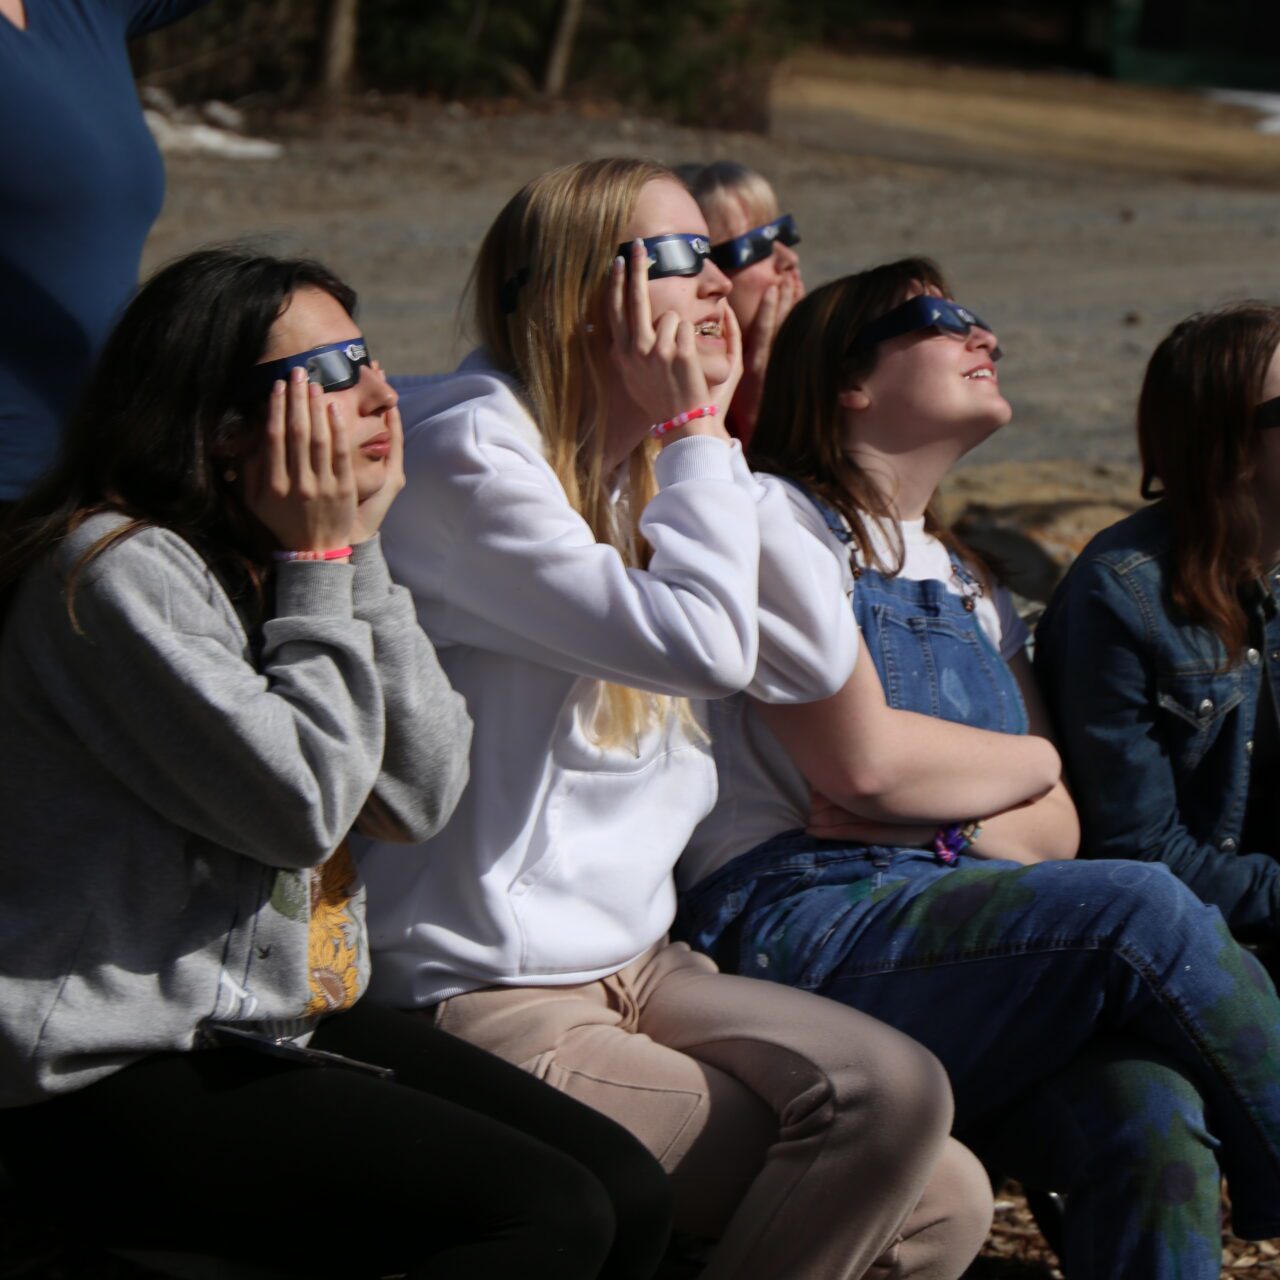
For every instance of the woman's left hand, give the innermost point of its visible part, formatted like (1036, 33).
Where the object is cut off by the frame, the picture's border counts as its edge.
(828, 821)
(373, 510)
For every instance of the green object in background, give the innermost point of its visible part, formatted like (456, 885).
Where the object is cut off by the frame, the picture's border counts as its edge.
(1220, 43)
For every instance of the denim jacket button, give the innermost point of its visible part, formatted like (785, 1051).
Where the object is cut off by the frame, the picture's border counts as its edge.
(1228, 845)
(1206, 707)
(1253, 657)
(1248, 747)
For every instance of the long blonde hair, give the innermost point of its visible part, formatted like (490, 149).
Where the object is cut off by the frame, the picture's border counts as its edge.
(537, 294)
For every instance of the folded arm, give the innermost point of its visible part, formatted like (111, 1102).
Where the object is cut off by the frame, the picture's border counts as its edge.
(900, 767)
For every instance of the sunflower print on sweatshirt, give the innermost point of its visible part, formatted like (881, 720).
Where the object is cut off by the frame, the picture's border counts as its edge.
(334, 935)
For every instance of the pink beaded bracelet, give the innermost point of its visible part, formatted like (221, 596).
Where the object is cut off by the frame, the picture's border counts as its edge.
(660, 429)
(337, 553)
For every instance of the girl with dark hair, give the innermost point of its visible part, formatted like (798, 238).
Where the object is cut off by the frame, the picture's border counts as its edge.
(207, 680)
(1090, 1015)
(1160, 651)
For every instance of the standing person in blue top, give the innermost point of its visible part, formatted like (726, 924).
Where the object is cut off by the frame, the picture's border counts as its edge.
(1160, 651)
(1102, 1032)
(83, 182)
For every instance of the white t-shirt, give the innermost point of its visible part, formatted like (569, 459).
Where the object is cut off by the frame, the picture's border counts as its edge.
(925, 557)
(762, 792)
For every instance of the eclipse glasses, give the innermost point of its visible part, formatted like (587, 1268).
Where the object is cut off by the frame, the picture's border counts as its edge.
(923, 312)
(755, 245)
(332, 368)
(677, 254)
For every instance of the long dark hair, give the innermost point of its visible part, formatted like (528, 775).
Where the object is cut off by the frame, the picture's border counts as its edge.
(164, 415)
(798, 433)
(1197, 437)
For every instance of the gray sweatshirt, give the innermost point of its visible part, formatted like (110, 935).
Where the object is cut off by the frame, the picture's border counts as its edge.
(164, 794)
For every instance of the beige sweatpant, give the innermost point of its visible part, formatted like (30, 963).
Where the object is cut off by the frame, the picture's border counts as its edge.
(810, 1138)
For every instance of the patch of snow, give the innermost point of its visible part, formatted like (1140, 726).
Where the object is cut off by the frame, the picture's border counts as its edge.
(189, 136)
(1267, 105)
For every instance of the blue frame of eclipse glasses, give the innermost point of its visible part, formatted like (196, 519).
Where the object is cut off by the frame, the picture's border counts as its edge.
(923, 312)
(755, 245)
(676, 254)
(332, 368)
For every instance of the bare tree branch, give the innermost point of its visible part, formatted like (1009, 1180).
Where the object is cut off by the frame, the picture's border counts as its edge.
(340, 46)
(562, 48)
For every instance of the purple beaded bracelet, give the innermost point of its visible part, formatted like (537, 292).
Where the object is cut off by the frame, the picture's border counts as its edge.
(952, 840)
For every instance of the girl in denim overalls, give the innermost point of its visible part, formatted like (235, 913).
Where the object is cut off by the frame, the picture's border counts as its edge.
(1103, 1033)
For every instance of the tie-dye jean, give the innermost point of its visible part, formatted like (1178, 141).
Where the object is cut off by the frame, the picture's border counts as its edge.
(1103, 1033)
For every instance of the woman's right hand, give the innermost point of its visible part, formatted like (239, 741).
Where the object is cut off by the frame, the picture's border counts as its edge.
(656, 359)
(301, 484)
(775, 306)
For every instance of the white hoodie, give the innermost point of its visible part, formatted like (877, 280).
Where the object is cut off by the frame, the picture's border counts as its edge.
(556, 867)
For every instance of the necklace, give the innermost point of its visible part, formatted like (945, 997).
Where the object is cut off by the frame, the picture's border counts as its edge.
(970, 585)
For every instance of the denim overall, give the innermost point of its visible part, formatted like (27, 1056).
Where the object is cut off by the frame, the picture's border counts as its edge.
(1089, 1014)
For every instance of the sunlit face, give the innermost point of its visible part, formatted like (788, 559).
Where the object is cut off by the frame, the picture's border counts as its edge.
(314, 318)
(930, 387)
(1268, 478)
(735, 218)
(663, 207)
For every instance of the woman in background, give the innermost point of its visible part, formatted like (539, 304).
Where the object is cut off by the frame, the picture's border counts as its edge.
(755, 246)
(82, 183)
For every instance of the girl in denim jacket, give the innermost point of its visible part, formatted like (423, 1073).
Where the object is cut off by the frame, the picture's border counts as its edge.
(1160, 651)
(1103, 1033)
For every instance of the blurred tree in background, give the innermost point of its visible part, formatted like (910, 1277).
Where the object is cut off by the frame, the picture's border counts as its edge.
(698, 61)
(695, 60)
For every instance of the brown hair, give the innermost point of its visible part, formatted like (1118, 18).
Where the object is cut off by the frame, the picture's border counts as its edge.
(164, 412)
(799, 433)
(1197, 436)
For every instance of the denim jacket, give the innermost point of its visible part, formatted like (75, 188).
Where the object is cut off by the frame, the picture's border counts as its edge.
(1156, 728)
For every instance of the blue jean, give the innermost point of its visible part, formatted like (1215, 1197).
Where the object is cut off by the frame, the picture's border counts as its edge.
(1016, 978)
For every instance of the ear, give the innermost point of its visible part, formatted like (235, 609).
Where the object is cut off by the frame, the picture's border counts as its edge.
(854, 398)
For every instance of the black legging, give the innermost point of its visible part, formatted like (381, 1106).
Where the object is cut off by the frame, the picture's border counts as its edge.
(464, 1167)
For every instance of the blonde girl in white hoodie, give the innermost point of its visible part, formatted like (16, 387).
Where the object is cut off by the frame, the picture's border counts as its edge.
(583, 581)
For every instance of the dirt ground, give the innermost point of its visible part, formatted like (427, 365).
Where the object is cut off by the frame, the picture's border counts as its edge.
(1082, 218)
